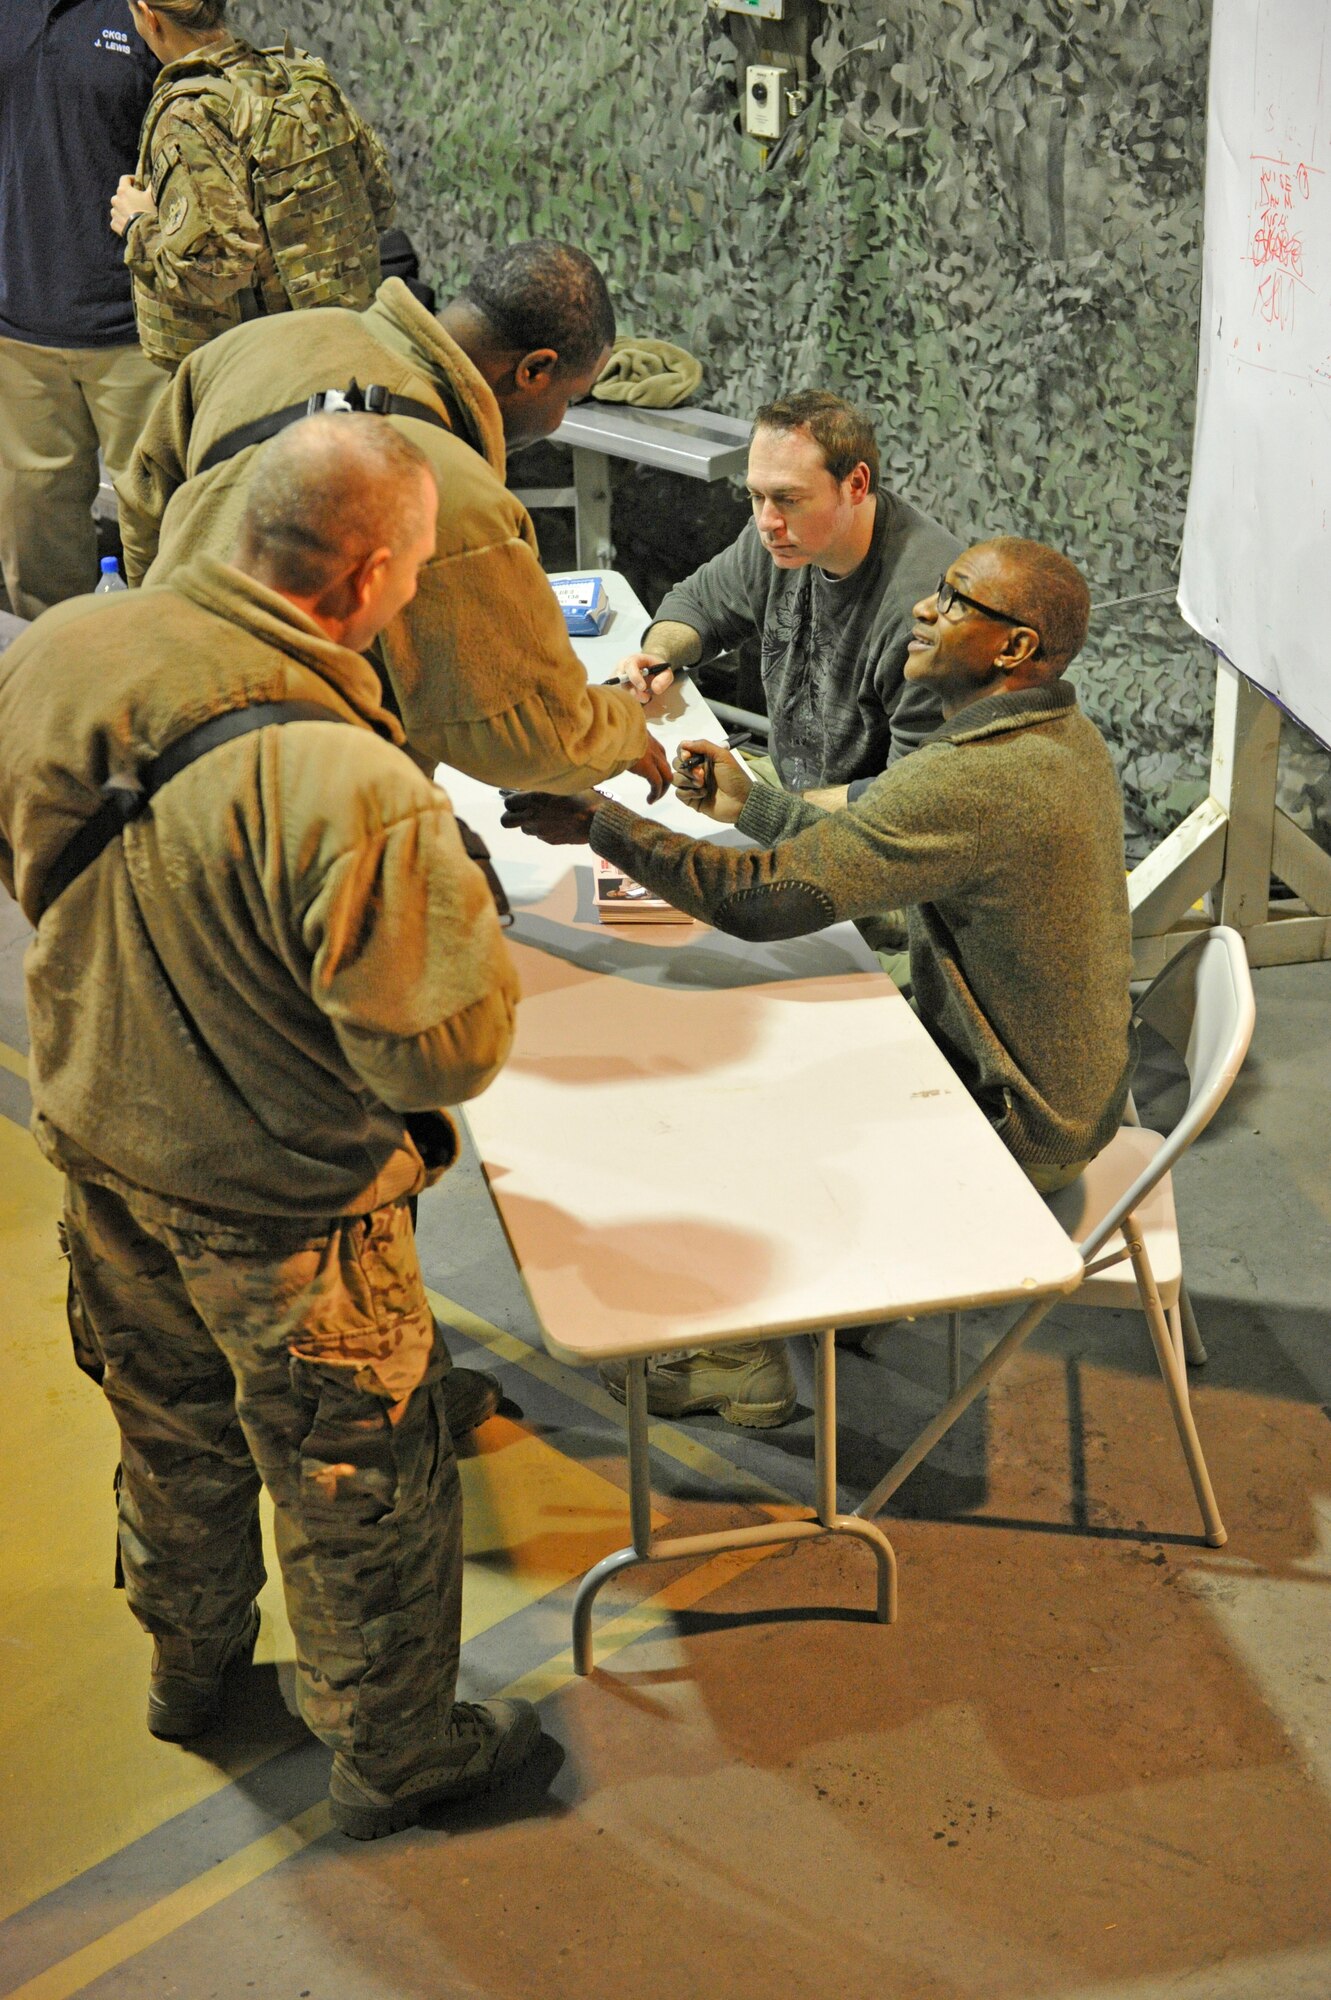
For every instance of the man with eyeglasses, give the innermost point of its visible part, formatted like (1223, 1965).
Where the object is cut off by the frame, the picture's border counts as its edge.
(1002, 837)
(826, 574)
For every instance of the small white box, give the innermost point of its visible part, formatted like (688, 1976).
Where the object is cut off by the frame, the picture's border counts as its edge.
(761, 10)
(765, 109)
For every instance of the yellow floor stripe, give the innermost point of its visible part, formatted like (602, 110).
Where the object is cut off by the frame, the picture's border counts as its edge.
(71, 1975)
(12, 1060)
(535, 1519)
(645, 1617)
(72, 1741)
(532, 1520)
(150, 1926)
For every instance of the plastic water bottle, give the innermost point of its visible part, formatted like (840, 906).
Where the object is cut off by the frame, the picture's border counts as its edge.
(110, 578)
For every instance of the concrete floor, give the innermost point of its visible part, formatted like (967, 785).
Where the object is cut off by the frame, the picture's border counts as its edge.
(1091, 1761)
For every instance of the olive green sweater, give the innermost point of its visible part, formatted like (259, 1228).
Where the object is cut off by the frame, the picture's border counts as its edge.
(1003, 837)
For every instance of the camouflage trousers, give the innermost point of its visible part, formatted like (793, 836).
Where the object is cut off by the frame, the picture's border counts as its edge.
(304, 1357)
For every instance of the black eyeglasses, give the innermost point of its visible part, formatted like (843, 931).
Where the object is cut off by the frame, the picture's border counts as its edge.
(948, 595)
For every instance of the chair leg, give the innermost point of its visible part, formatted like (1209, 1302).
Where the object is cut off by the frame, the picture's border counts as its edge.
(1175, 1318)
(953, 1353)
(1176, 1384)
(1193, 1351)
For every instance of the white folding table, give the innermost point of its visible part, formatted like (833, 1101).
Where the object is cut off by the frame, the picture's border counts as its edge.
(698, 1140)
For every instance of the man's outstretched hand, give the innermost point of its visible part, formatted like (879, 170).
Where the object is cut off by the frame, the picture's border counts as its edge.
(558, 821)
(711, 779)
(648, 674)
(653, 767)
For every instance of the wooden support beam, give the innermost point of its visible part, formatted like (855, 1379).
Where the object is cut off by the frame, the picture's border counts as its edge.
(1301, 865)
(1152, 954)
(1228, 849)
(1178, 873)
(1244, 757)
(591, 483)
(1292, 940)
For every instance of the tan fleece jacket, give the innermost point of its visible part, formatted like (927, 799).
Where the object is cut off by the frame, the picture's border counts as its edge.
(235, 1004)
(480, 664)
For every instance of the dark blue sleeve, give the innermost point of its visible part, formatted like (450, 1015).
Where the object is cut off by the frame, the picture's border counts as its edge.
(74, 85)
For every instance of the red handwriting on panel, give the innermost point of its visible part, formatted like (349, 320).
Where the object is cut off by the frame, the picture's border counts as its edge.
(1275, 246)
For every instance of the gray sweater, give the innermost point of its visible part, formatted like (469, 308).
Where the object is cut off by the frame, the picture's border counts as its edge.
(833, 648)
(1003, 837)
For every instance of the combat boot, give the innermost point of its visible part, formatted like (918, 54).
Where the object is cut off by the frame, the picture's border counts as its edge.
(186, 1685)
(485, 1743)
(751, 1385)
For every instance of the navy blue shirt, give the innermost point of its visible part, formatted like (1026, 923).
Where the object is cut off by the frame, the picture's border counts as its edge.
(74, 84)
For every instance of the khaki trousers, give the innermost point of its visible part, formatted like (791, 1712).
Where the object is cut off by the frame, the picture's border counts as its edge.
(57, 405)
(304, 1357)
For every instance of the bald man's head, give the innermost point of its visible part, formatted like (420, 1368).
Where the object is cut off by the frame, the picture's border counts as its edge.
(325, 493)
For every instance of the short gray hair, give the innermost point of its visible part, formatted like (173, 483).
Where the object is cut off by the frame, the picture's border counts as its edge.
(1054, 596)
(324, 494)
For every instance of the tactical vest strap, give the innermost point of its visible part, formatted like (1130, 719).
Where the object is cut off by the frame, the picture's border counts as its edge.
(376, 400)
(126, 795)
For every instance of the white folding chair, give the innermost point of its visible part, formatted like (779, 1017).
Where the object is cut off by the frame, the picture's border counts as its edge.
(1121, 1210)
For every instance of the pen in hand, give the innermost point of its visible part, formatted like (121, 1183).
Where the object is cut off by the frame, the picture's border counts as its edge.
(693, 773)
(622, 680)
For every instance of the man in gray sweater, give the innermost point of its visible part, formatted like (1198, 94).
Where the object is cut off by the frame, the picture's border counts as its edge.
(826, 572)
(1003, 839)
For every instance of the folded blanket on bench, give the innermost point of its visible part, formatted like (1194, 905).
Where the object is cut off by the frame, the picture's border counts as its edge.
(654, 374)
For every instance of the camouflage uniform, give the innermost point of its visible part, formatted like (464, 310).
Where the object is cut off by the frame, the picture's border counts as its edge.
(309, 1353)
(256, 212)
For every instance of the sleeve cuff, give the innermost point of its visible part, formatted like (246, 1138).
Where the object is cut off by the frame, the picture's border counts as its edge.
(766, 814)
(611, 833)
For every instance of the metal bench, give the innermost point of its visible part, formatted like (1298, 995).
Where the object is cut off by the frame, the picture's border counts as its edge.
(699, 443)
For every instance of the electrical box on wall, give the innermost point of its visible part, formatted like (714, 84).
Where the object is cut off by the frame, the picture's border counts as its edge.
(766, 110)
(774, 65)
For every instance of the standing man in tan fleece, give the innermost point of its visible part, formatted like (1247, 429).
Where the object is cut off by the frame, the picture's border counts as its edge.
(248, 1005)
(479, 666)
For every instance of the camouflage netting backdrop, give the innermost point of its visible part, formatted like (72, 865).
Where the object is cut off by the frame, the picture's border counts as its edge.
(986, 227)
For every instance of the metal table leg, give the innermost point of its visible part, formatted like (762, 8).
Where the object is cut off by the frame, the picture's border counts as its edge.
(640, 1516)
(824, 1417)
(591, 485)
(645, 1550)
